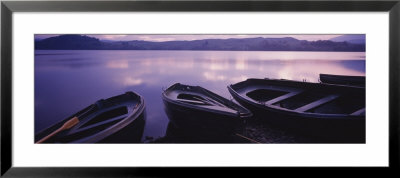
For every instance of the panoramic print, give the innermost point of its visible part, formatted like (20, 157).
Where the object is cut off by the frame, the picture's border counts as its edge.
(199, 88)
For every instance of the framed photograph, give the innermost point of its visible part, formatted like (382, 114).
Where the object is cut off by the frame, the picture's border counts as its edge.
(172, 84)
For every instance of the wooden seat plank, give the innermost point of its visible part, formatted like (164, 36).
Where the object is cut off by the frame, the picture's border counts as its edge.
(317, 103)
(283, 97)
(191, 101)
(358, 112)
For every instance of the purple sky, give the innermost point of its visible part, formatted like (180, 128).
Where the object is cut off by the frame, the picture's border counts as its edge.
(151, 37)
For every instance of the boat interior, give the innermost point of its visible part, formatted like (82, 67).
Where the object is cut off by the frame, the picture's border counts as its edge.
(196, 99)
(98, 117)
(309, 100)
(199, 97)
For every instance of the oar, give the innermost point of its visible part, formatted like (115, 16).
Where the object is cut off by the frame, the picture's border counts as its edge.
(67, 125)
(70, 123)
(207, 101)
(249, 139)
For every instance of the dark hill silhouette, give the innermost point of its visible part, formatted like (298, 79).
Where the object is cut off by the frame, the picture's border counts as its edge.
(80, 42)
(74, 42)
(355, 39)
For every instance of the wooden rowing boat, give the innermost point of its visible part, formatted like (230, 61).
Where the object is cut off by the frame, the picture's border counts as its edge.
(194, 108)
(315, 109)
(119, 119)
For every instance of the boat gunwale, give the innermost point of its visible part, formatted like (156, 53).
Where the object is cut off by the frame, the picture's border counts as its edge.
(346, 80)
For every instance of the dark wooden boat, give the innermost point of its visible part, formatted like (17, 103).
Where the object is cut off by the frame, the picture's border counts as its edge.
(195, 109)
(119, 119)
(315, 109)
(342, 79)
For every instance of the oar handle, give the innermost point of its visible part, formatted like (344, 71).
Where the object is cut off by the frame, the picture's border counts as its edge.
(67, 125)
(50, 135)
(249, 139)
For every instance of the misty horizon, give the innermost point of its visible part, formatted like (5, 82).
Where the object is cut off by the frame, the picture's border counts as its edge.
(193, 37)
(251, 43)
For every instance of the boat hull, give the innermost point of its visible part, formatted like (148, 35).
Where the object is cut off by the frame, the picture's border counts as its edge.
(200, 123)
(336, 127)
(132, 133)
(342, 80)
(118, 119)
(195, 109)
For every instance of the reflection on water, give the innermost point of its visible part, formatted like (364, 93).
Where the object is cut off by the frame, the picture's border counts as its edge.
(67, 81)
(174, 134)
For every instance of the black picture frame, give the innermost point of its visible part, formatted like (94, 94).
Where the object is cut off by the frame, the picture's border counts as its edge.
(8, 7)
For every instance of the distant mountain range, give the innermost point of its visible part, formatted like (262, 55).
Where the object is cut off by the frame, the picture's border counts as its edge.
(354, 39)
(81, 42)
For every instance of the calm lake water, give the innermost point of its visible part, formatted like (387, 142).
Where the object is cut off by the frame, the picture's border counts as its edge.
(66, 81)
